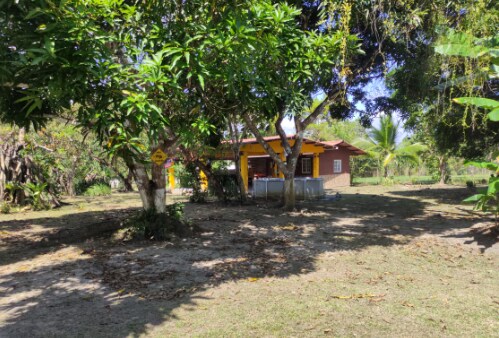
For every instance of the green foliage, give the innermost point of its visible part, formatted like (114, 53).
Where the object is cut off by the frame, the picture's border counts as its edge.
(487, 201)
(69, 161)
(99, 189)
(185, 174)
(153, 226)
(228, 182)
(470, 184)
(451, 63)
(456, 179)
(37, 195)
(176, 211)
(382, 144)
(5, 208)
(11, 188)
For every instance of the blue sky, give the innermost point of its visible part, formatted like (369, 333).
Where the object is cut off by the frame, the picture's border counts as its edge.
(375, 89)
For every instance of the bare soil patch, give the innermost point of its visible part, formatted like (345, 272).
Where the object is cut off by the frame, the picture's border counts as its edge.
(398, 260)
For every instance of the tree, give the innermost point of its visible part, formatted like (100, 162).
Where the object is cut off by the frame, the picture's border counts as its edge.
(388, 35)
(273, 76)
(424, 87)
(335, 129)
(134, 74)
(382, 144)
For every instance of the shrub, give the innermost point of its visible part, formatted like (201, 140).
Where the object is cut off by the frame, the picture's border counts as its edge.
(470, 184)
(99, 189)
(5, 208)
(228, 182)
(37, 195)
(388, 181)
(82, 185)
(153, 226)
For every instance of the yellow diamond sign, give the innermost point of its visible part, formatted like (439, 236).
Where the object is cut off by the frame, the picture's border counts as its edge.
(158, 157)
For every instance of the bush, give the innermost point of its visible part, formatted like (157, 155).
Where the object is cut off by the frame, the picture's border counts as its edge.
(228, 182)
(186, 174)
(388, 181)
(5, 208)
(82, 186)
(153, 226)
(37, 195)
(99, 189)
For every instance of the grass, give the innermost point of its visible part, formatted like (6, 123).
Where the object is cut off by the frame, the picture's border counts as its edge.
(381, 261)
(455, 179)
(414, 290)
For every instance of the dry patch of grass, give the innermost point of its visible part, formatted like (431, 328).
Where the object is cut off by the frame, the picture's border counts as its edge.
(425, 288)
(389, 261)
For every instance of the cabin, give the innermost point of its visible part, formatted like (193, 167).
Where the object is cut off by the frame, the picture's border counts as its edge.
(329, 160)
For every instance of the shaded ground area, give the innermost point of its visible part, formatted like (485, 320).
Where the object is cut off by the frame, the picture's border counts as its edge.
(381, 260)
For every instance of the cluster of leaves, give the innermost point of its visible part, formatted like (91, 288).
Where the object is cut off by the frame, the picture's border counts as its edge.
(487, 49)
(451, 62)
(69, 161)
(382, 144)
(36, 195)
(99, 189)
(150, 225)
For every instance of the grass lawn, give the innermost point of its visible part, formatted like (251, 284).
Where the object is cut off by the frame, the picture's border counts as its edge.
(381, 261)
(455, 179)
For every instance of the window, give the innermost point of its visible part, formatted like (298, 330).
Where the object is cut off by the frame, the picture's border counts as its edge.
(306, 165)
(337, 166)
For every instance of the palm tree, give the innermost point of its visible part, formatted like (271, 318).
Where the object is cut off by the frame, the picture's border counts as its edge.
(381, 143)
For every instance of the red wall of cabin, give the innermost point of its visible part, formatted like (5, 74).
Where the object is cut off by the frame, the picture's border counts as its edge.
(326, 161)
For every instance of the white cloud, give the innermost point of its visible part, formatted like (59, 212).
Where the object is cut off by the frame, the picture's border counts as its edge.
(288, 125)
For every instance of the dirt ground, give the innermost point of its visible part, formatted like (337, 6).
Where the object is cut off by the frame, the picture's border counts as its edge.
(398, 260)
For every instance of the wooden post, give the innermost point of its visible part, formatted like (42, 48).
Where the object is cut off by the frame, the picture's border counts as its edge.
(315, 166)
(244, 169)
(171, 177)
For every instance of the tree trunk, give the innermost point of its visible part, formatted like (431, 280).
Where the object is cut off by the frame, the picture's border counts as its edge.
(289, 192)
(236, 138)
(442, 167)
(143, 184)
(152, 190)
(127, 181)
(70, 185)
(385, 175)
(159, 188)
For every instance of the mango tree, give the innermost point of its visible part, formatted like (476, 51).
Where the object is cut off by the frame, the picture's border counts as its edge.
(132, 75)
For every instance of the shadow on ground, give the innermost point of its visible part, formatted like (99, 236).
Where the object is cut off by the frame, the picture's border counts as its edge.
(25, 239)
(103, 288)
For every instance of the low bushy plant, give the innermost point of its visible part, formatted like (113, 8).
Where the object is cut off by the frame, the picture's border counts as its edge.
(99, 189)
(37, 195)
(228, 182)
(4, 208)
(154, 226)
(388, 181)
(487, 200)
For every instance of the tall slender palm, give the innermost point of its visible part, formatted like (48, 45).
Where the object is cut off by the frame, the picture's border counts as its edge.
(382, 144)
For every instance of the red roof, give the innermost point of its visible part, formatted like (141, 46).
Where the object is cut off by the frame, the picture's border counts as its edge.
(330, 145)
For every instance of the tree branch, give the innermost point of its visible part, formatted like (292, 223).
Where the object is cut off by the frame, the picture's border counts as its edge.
(251, 125)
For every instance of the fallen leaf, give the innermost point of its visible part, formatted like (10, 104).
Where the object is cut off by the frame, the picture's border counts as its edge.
(359, 295)
(407, 304)
(253, 279)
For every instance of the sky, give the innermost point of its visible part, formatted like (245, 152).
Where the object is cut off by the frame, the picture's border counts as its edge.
(375, 89)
